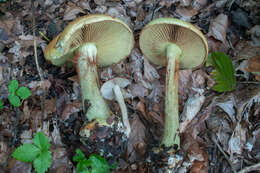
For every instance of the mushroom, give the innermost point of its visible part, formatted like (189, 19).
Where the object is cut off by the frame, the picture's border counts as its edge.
(112, 89)
(91, 41)
(177, 45)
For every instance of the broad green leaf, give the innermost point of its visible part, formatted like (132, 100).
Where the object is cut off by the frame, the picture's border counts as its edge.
(99, 164)
(13, 86)
(78, 156)
(224, 72)
(83, 165)
(26, 153)
(41, 141)
(23, 92)
(14, 100)
(42, 162)
(1, 104)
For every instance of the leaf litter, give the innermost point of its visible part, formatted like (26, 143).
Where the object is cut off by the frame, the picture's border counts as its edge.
(233, 116)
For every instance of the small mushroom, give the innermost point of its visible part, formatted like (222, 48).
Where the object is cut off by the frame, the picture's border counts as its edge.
(112, 89)
(177, 45)
(91, 41)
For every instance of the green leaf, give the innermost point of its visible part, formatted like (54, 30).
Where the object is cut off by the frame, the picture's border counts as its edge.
(13, 86)
(42, 162)
(26, 153)
(83, 166)
(224, 72)
(79, 156)
(41, 141)
(23, 92)
(1, 105)
(99, 164)
(14, 100)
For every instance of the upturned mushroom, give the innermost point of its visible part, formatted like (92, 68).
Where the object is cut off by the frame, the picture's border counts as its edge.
(177, 45)
(91, 41)
(112, 89)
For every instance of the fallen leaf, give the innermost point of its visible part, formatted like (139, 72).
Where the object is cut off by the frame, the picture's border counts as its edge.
(199, 4)
(136, 146)
(70, 109)
(72, 11)
(186, 13)
(218, 27)
(255, 35)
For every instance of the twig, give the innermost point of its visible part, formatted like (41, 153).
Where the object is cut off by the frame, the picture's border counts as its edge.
(37, 63)
(255, 167)
(223, 152)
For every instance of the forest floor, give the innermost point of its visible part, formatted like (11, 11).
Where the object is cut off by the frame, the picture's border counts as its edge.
(220, 130)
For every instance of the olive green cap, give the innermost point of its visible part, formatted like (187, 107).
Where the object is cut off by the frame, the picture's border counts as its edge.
(159, 33)
(112, 37)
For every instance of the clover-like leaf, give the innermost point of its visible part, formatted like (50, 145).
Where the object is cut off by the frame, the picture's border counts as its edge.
(23, 92)
(41, 141)
(42, 162)
(14, 100)
(26, 153)
(13, 86)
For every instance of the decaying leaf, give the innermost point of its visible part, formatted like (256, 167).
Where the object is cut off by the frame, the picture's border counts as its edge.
(218, 27)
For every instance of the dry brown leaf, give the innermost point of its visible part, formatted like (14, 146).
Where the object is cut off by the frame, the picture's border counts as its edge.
(136, 146)
(254, 66)
(196, 153)
(218, 27)
(71, 11)
(70, 109)
(150, 73)
(199, 4)
(186, 13)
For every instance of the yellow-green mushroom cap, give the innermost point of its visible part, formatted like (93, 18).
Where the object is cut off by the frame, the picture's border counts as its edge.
(113, 38)
(159, 33)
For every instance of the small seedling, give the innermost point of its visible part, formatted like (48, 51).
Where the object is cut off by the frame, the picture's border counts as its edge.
(1, 105)
(16, 93)
(95, 163)
(38, 153)
(224, 73)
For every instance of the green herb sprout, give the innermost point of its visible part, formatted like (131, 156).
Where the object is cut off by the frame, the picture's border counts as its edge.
(16, 93)
(95, 163)
(38, 153)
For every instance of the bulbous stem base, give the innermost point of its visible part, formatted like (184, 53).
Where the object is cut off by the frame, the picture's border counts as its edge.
(93, 103)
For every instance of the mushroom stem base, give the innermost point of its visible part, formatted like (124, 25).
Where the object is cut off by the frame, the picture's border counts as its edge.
(171, 129)
(93, 103)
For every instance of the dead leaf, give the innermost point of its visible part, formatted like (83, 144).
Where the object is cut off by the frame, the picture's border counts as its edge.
(150, 73)
(70, 109)
(72, 11)
(136, 146)
(218, 27)
(254, 66)
(186, 13)
(137, 90)
(237, 141)
(199, 4)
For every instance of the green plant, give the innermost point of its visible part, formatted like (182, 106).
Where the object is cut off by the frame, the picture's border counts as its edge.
(224, 73)
(38, 153)
(15, 93)
(1, 105)
(95, 163)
